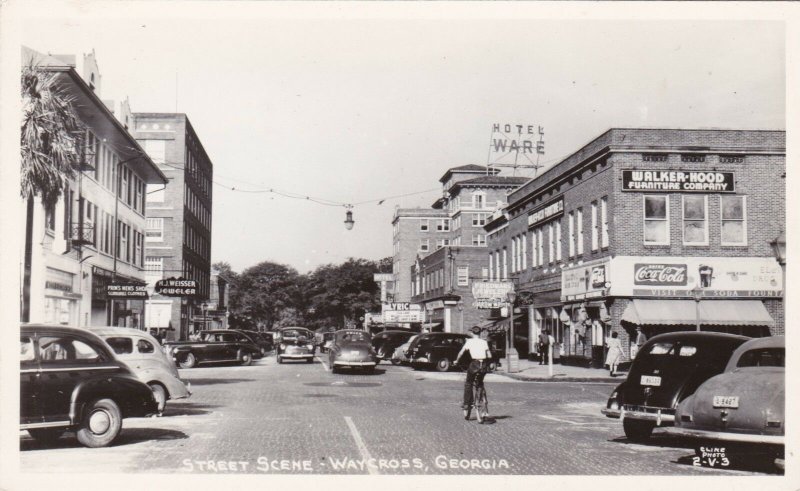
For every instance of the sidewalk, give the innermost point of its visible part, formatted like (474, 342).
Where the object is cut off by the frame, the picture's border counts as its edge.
(531, 370)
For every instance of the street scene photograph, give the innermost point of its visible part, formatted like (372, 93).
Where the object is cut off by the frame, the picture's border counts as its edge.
(327, 240)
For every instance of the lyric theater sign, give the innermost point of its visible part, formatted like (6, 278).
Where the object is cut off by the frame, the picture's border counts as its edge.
(680, 181)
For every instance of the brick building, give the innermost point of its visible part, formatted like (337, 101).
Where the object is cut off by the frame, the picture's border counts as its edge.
(415, 231)
(178, 242)
(657, 228)
(94, 235)
(441, 277)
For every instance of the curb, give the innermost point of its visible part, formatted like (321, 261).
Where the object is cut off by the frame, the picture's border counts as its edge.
(556, 378)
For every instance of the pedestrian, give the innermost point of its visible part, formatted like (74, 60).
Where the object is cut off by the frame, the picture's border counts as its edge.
(614, 353)
(544, 346)
(639, 340)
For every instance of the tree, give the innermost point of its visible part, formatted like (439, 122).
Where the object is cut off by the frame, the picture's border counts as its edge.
(264, 291)
(338, 293)
(50, 142)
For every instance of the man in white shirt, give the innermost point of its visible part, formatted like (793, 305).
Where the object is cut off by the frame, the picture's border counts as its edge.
(478, 350)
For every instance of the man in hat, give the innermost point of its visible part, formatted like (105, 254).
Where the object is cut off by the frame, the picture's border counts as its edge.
(640, 339)
(480, 354)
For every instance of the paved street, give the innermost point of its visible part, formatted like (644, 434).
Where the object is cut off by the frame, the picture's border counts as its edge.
(300, 418)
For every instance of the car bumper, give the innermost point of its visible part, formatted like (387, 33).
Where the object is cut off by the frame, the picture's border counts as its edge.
(345, 363)
(611, 413)
(296, 356)
(727, 436)
(660, 416)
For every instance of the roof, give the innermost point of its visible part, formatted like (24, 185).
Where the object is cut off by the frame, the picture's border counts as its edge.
(491, 181)
(757, 343)
(468, 169)
(119, 331)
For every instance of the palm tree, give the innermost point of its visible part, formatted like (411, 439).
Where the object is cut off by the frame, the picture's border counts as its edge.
(51, 139)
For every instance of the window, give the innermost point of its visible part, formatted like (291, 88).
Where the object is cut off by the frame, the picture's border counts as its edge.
(505, 263)
(121, 346)
(424, 245)
(50, 218)
(654, 157)
(524, 244)
(695, 224)
(443, 225)
(485, 272)
(479, 219)
(463, 276)
(479, 200)
(558, 240)
(497, 265)
(423, 225)
(579, 226)
(155, 230)
(478, 239)
(604, 222)
(764, 357)
(441, 243)
(137, 254)
(61, 349)
(551, 250)
(154, 268)
(145, 346)
(540, 240)
(533, 249)
(491, 266)
(595, 241)
(571, 232)
(693, 158)
(734, 222)
(656, 220)
(122, 249)
(513, 254)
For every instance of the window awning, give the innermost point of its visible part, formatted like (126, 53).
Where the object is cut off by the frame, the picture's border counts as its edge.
(712, 313)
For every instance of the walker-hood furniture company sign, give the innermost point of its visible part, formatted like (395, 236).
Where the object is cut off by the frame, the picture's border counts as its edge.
(679, 181)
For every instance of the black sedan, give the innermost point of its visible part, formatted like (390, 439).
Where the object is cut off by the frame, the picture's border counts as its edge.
(384, 343)
(71, 381)
(436, 349)
(351, 348)
(667, 369)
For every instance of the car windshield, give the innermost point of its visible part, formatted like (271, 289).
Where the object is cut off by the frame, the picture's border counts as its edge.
(294, 333)
(350, 336)
(764, 357)
(672, 349)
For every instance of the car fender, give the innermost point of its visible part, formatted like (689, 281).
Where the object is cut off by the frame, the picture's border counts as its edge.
(129, 393)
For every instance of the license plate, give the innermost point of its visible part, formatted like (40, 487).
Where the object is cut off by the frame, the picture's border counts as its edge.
(726, 401)
(651, 380)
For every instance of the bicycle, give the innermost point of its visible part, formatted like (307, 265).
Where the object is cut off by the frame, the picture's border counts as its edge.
(480, 401)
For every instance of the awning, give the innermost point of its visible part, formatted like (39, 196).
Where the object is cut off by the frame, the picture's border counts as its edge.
(500, 325)
(711, 312)
(432, 325)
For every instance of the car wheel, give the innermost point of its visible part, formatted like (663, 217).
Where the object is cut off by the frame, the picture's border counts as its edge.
(46, 435)
(309, 360)
(245, 358)
(160, 394)
(492, 366)
(638, 431)
(280, 359)
(101, 424)
(189, 361)
(443, 365)
(395, 361)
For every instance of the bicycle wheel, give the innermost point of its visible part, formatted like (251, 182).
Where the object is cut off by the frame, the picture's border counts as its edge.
(481, 404)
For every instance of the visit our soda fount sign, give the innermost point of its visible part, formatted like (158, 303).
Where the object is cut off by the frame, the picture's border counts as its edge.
(678, 181)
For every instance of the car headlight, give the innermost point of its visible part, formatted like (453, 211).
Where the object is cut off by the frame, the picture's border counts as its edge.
(283, 346)
(310, 346)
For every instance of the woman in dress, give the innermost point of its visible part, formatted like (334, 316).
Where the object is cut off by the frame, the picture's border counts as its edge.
(614, 353)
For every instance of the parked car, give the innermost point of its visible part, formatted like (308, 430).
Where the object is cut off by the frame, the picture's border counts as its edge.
(668, 368)
(436, 349)
(400, 354)
(263, 340)
(145, 356)
(384, 343)
(70, 380)
(295, 343)
(352, 348)
(224, 345)
(746, 403)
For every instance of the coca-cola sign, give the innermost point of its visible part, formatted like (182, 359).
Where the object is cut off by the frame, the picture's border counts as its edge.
(660, 274)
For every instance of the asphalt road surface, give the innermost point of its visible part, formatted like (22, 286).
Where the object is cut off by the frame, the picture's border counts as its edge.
(300, 418)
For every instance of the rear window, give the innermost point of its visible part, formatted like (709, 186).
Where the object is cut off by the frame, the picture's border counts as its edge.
(766, 357)
(121, 346)
(352, 336)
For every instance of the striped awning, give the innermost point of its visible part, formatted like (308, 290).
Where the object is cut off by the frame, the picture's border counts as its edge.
(645, 312)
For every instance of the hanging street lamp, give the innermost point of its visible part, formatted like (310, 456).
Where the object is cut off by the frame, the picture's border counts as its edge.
(348, 221)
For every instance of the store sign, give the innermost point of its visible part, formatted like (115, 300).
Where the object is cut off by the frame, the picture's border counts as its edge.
(379, 277)
(678, 181)
(511, 137)
(176, 287)
(659, 274)
(117, 290)
(584, 281)
(552, 210)
(491, 294)
(400, 306)
(718, 277)
(403, 316)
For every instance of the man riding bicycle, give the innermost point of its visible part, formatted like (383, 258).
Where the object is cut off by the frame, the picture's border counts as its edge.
(478, 350)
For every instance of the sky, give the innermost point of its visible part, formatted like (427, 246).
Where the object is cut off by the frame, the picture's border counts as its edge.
(353, 108)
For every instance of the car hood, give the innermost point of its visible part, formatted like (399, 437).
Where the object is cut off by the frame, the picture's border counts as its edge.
(761, 398)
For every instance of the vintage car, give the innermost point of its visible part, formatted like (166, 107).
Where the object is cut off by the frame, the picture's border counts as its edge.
(400, 355)
(668, 368)
(295, 343)
(436, 349)
(70, 380)
(224, 345)
(745, 404)
(142, 353)
(263, 340)
(351, 348)
(386, 342)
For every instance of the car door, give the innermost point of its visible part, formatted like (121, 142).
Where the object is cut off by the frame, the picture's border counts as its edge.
(29, 375)
(455, 346)
(66, 362)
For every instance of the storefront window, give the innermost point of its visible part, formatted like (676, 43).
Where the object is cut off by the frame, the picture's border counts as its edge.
(58, 310)
(734, 224)
(656, 220)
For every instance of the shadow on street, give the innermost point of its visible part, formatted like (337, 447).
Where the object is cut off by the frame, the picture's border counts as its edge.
(126, 437)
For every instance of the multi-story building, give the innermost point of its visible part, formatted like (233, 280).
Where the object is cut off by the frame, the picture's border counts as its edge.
(178, 239)
(416, 231)
(441, 275)
(662, 229)
(94, 236)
